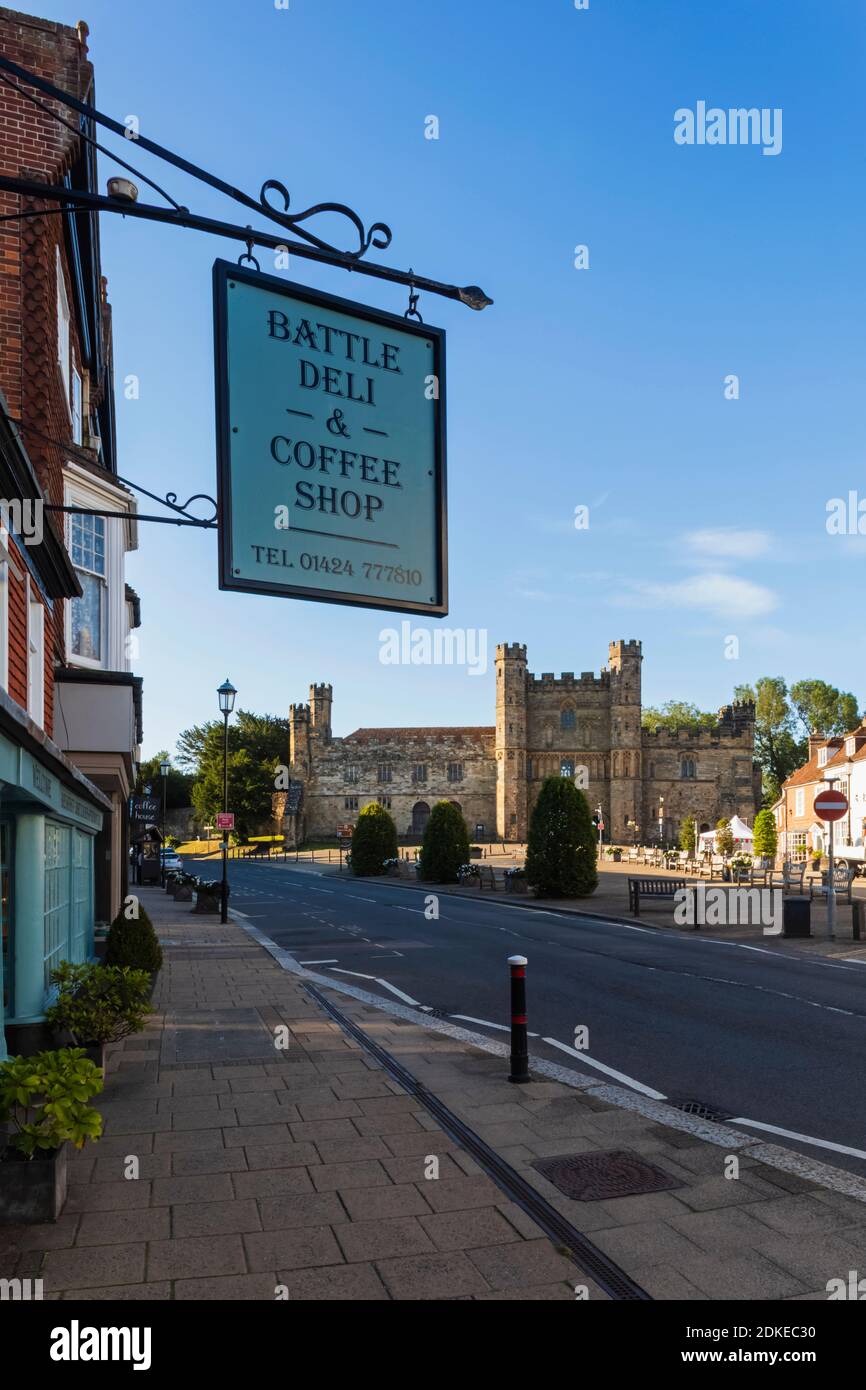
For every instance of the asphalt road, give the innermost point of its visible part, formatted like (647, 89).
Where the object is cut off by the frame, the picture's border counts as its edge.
(767, 1037)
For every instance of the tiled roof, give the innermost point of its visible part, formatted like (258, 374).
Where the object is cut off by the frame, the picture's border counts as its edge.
(478, 732)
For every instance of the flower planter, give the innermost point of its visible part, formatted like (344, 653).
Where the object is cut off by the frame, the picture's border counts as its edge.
(32, 1190)
(183, 895)
(519, 885)
(207, 902)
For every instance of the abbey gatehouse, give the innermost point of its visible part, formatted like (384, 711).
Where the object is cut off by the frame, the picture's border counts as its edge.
(586, 727)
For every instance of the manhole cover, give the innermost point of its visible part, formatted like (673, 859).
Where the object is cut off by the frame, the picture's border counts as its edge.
(592, 1177)
(702, 1109)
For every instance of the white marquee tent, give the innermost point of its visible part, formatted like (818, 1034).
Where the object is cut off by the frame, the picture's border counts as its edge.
(741, 832)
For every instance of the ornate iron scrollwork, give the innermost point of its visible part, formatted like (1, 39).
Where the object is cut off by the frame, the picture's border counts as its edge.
(379, 234)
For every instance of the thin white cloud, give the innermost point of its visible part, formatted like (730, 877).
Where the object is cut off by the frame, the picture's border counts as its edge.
(724, 595)
(727, 543)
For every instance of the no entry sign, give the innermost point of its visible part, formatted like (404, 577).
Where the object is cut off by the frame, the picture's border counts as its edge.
(831, 805)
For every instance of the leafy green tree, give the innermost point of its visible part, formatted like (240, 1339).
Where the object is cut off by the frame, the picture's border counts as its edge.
(821, 708)
(724, 838)
(258, 744)
(178, 785)
(688, 834)
(764, 831)
(561, 852)
(777, 749)
(675, 715)
(373, 841)
(445, 846)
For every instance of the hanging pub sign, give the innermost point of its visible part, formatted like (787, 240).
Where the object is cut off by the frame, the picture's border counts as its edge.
(331, 447)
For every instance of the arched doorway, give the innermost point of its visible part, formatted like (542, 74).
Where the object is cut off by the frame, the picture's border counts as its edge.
(420, 817)
(457, 806)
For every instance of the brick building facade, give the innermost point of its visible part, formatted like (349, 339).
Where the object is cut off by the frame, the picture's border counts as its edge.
(586, 727)
(69, 706)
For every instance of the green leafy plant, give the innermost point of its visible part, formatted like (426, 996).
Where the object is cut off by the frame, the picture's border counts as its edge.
(724, 838)
(374, 840)
(765, 837)
(561, 852)
(98, 1004)
(44, 1098)
(688, 835)
(132, 941)
(445, 845)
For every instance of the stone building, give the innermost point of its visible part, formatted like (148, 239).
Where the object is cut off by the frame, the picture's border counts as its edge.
(585, 727)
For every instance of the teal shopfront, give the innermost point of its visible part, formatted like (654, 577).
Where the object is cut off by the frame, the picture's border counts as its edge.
(49, 818)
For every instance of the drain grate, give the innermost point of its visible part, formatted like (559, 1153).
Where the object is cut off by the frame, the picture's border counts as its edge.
(702, 1109)
(592, 1177)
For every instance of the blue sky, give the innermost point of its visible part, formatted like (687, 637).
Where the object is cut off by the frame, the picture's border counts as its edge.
(601, 387)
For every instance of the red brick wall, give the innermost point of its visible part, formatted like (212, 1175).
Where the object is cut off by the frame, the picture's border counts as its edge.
(34, 146)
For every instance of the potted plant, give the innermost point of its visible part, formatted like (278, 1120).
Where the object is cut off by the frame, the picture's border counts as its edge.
(97, 1005)
(44, 1099)
(208, 896)
(515, 880)
(133, 943)
(615, 853)
(740, 866)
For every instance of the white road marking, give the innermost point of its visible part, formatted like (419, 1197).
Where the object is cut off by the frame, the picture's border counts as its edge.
(332, 961)
(803, 1138)
(609, 1071)
(407, 998)
(485, 1023)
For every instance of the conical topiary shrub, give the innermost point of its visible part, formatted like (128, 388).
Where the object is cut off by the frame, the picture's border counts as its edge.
(374, 840)
(132, 941)
(446, 844)
(561, 853)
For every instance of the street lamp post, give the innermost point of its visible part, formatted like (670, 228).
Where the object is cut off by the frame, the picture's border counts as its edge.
(164, 768)
(226, 694)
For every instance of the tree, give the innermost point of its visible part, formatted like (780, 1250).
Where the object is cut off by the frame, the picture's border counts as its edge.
(724, 838)
(561, 849)
(445, 846)
(821, 708)
(777, 751)
(765, 839)
(258, 744)
(675, 715)
(373, 841)
(178, 785)
(688, 834)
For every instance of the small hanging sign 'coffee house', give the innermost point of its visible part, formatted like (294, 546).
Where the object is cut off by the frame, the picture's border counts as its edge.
(331, 446)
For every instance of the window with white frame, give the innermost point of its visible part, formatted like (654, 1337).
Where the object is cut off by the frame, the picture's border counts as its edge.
(800, 801)
(35, 658)
(823, 754)
(851, 747)
(63, 320)
(77, 436)
(88, 613)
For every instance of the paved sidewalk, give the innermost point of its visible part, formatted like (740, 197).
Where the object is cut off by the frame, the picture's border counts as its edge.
(308, 1170)
(304, 1168)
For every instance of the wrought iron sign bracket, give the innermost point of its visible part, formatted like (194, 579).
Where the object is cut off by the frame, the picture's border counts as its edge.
(310, 247)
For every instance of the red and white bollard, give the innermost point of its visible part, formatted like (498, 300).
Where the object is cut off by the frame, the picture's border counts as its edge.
(519, 1035)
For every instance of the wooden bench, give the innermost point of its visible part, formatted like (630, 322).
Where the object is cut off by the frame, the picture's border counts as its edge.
(652, 888)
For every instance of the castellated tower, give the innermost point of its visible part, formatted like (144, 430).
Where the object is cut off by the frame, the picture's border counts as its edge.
(299, 738)
(511, 823)
(321, 699)
(624, 662)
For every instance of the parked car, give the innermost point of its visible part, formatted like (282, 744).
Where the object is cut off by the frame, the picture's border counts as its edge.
(171, 861)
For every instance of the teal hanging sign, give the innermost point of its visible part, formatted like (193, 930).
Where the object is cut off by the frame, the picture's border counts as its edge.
(331, 447)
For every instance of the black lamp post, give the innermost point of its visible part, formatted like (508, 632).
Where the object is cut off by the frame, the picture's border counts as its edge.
(226, 693)
(164, 768)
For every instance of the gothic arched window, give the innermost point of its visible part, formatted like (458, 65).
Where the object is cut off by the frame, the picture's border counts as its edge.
(567, 719)
(687, 767)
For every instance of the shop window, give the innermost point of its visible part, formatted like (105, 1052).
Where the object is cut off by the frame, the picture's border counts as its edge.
(58, 893)
(88, 612)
